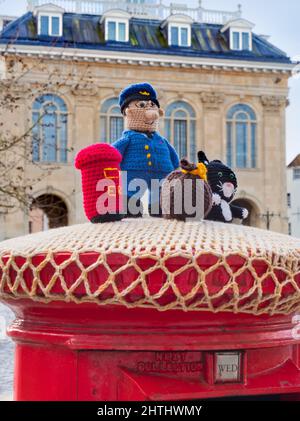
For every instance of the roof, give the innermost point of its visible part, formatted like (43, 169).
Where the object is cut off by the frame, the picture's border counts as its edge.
(145, 36)
(295, 162)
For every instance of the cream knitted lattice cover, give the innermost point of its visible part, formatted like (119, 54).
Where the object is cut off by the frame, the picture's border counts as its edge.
(200, 266)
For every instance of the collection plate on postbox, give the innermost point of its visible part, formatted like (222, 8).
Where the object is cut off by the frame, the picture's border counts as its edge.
(228, 367)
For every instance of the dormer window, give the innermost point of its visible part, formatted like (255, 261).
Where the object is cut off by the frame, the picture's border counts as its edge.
(50, 25)
(116, 25)
(239, 33)
(116, 30)
(178, 30)
(241, 40)
(49, 20)
(179, 35)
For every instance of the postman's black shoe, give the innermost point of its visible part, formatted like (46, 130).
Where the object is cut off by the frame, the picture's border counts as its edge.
(108, 217)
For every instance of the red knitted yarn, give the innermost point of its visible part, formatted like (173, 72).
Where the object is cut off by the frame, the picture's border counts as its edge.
(97, 162)
(95, 153)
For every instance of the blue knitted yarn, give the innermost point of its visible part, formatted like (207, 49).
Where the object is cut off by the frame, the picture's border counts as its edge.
(148, 177)
(144, 153)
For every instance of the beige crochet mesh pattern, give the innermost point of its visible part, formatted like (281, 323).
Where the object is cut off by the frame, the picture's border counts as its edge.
(194, 266)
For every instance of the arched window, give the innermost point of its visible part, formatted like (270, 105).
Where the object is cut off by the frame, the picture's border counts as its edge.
(241, 137)
(111, 121)
(47, 211)
(49, 118)
(180, 129)
(253, 219)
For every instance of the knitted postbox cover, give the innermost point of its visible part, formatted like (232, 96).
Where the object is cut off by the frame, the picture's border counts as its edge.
(156, 263)
(98, 162)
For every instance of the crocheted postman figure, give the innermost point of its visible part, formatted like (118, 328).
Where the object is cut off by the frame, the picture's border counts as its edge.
(101, 186)
(177, 202)
(223, 183)
(146, 154)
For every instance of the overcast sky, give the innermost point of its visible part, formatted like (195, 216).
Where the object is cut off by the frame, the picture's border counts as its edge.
(279, 19)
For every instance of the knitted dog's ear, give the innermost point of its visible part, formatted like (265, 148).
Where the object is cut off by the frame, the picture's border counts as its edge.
(202, 158)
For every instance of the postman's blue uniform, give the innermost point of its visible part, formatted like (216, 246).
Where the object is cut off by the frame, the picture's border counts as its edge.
(146, 156)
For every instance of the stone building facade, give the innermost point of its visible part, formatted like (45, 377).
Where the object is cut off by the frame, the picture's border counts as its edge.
(220, 96)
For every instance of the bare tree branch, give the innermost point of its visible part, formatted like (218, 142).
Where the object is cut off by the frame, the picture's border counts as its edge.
(25, 80)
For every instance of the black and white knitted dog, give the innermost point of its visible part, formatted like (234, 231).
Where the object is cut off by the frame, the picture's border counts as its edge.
(223, 184)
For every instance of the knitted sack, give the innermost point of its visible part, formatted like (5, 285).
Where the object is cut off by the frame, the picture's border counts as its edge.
(174, 197)
(98, 162)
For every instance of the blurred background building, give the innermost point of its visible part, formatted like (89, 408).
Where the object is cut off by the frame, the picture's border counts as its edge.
(223, 88)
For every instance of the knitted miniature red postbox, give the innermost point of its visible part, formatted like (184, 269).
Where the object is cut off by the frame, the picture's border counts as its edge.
(98, 163)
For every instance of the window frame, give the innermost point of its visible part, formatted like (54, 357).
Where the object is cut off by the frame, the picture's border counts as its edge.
(169, 123)
(117, 22)
(50, 29)
(179, 26)
(37, 130)
(240, 32)
(234, 33)
(176, 120)
(106, 116)
(296, 170)
(248, 41)
(231, 129)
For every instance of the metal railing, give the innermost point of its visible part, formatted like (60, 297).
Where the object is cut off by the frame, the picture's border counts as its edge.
(150, 10)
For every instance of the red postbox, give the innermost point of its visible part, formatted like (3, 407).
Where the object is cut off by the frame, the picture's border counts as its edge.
(153, 310)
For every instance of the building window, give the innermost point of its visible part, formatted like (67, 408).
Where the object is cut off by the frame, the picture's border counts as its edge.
(180, 127)
(290, 228)
(55, 26)
(49, 118)
(245, 41)
(111, 121)
(116, 30)
(179, 35)
(47, 211)
(50, 25)
(241, 137)
(44, 29)
(240, 40)
(289, 203)
(296, 173)
(236, 40)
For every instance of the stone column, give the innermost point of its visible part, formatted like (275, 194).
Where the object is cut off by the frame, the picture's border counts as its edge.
(275, 190)
(213, 122)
